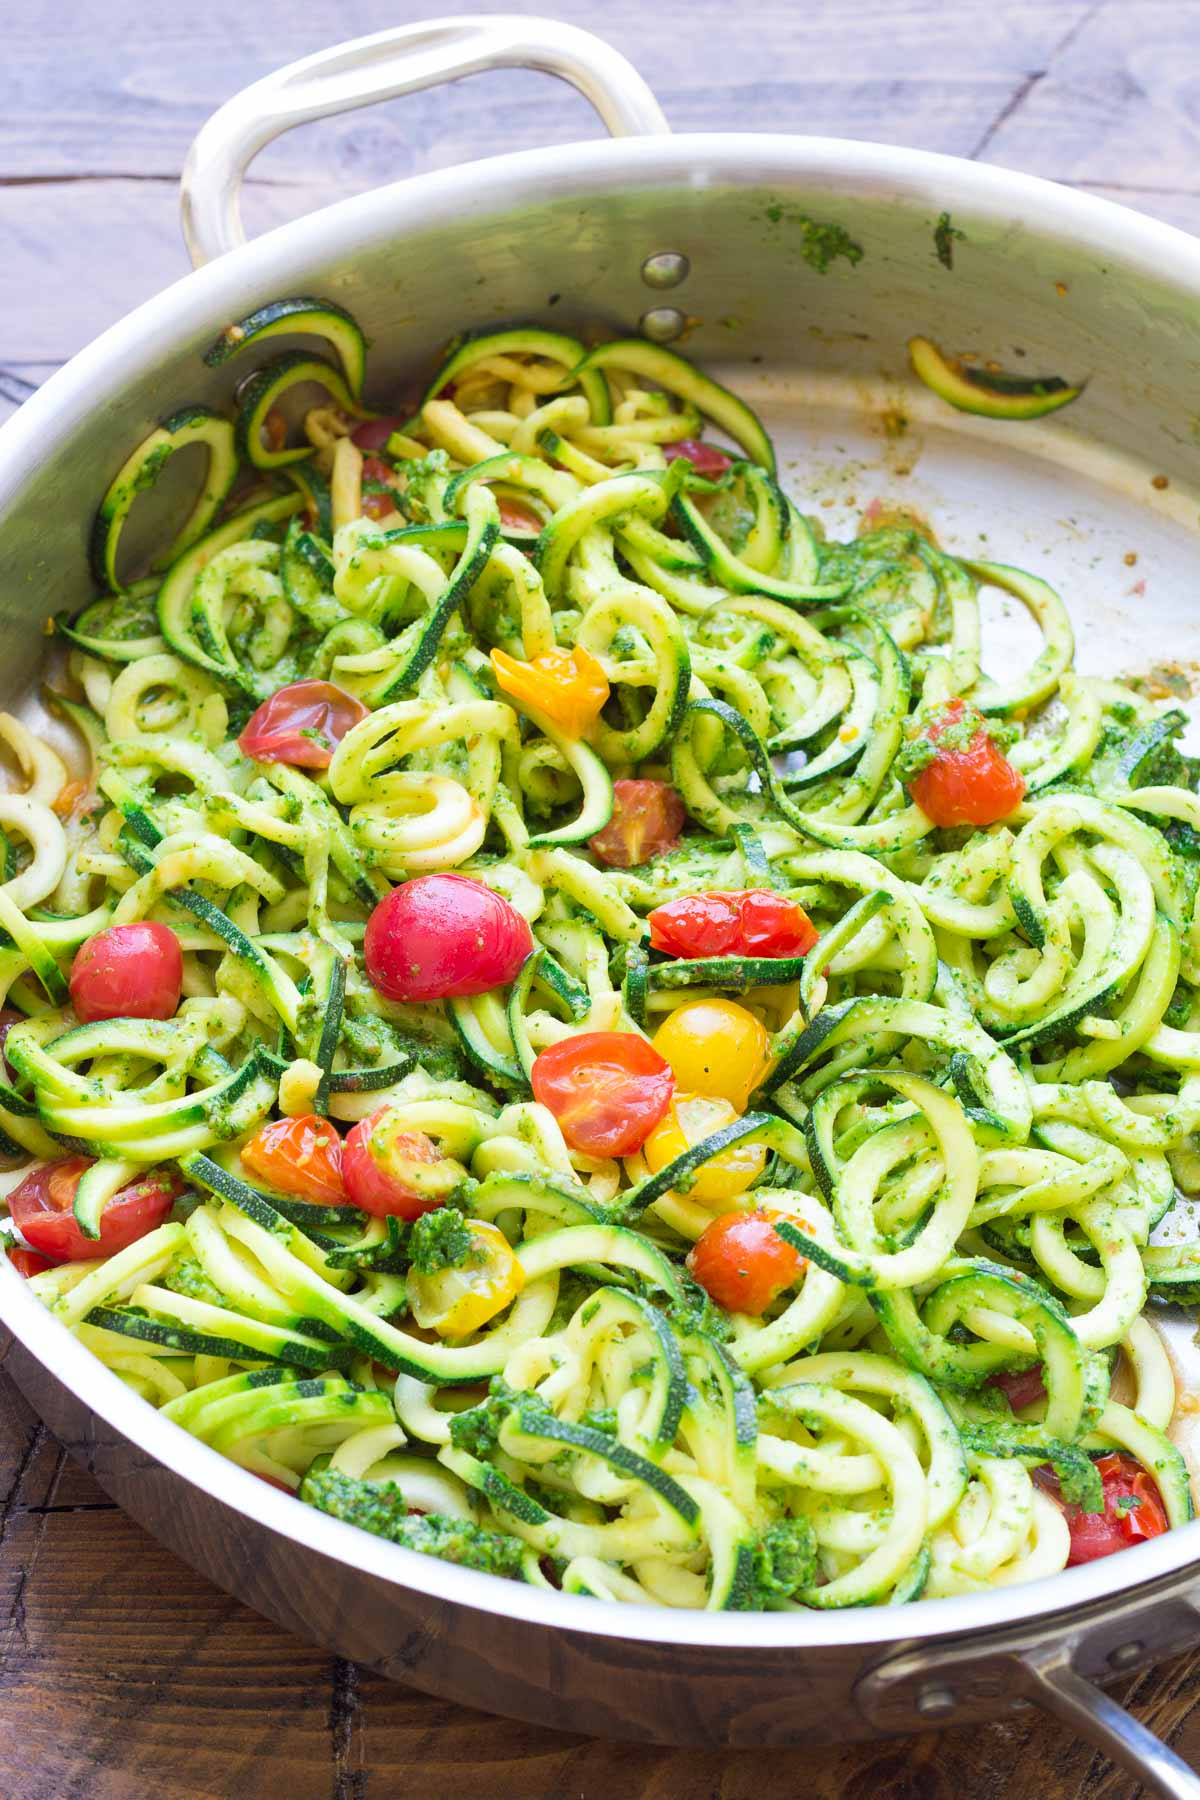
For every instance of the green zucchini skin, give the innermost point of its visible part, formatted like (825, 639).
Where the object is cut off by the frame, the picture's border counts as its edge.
(271, 385)
(193, 425)
(972, 1103)
(991, 396)
(304, 317)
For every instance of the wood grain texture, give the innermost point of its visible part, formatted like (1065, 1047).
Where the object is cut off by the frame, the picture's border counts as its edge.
(122, 1673)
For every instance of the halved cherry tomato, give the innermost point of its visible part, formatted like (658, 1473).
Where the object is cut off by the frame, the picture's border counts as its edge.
(754, 922)
(706, 459)
(569, 686)
(517, 518)
(456, 1301)
(969, 784)
(714, 1047)
(73, 799)
(28, 1262)
(438, 937)
(1020, 1387)
(373, 434)
(301, 1156)
(128, 972)
(41, 1210)
(647, 819)
(688, 1121)
(742, 1263)
(1133, 1510)
(607, 1089)
(302, 724)
(378, 505)
(382, 1163)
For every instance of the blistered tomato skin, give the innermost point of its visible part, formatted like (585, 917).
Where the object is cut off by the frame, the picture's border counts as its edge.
(128, 972)
(647, 820)
(442, 937)
(301, 1156)
(742, 1263)
(41, 1210)
(750, 922)
(974, 784)
(607, 1089)
(301, 724)
(373, 1159)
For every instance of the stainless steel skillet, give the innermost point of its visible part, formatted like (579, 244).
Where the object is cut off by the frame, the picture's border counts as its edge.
(710, 238)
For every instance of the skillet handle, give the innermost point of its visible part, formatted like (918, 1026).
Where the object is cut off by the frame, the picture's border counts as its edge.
(382, 67)
(1055, 1685)
(917, 1689)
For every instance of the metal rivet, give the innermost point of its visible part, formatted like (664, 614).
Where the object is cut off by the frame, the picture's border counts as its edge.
(665, 269)
(662, 324)
(1125, 1655)
(934, 1702)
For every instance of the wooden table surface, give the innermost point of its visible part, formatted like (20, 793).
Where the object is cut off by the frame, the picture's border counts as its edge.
(122, 1673)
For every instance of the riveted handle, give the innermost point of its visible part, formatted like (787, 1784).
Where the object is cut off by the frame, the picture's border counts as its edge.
(382, 67)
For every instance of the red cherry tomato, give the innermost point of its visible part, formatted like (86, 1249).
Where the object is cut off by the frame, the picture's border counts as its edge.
(28, 1262)
(1133, 1510)
(607, 1089)
(128, 972)
(441, 936)
(742, 1263)
(41, 1210)
(755, 922)
(302, 724)
(373, 434)
(1020, 1387)
(373, 1167)
(518, 518)
(706, 459)
(301, 1156)
(647, 819)
(972, 785)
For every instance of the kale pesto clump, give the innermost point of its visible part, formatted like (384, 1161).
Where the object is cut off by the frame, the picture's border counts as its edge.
(440, 1240)
(380, 1507)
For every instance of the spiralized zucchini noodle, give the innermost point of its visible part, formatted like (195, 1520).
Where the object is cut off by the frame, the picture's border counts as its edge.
(980, 1091)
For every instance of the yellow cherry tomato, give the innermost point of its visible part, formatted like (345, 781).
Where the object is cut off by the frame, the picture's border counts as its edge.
(454, 1302)
(569, 686)
(715, 1047)
(691, 1119)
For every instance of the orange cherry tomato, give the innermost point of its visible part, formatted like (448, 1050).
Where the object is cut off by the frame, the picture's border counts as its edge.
(742, 1263)
(972, 783)
(381, 1163)
(301, 1156)
(569, 686)
(754, 922)
(647, 819)
(607, 1089)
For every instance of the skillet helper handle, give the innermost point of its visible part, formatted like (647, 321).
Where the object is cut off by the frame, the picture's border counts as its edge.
(382, 67)
(1056, 1686)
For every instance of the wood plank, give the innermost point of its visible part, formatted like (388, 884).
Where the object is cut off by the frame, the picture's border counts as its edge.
(800, 68)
